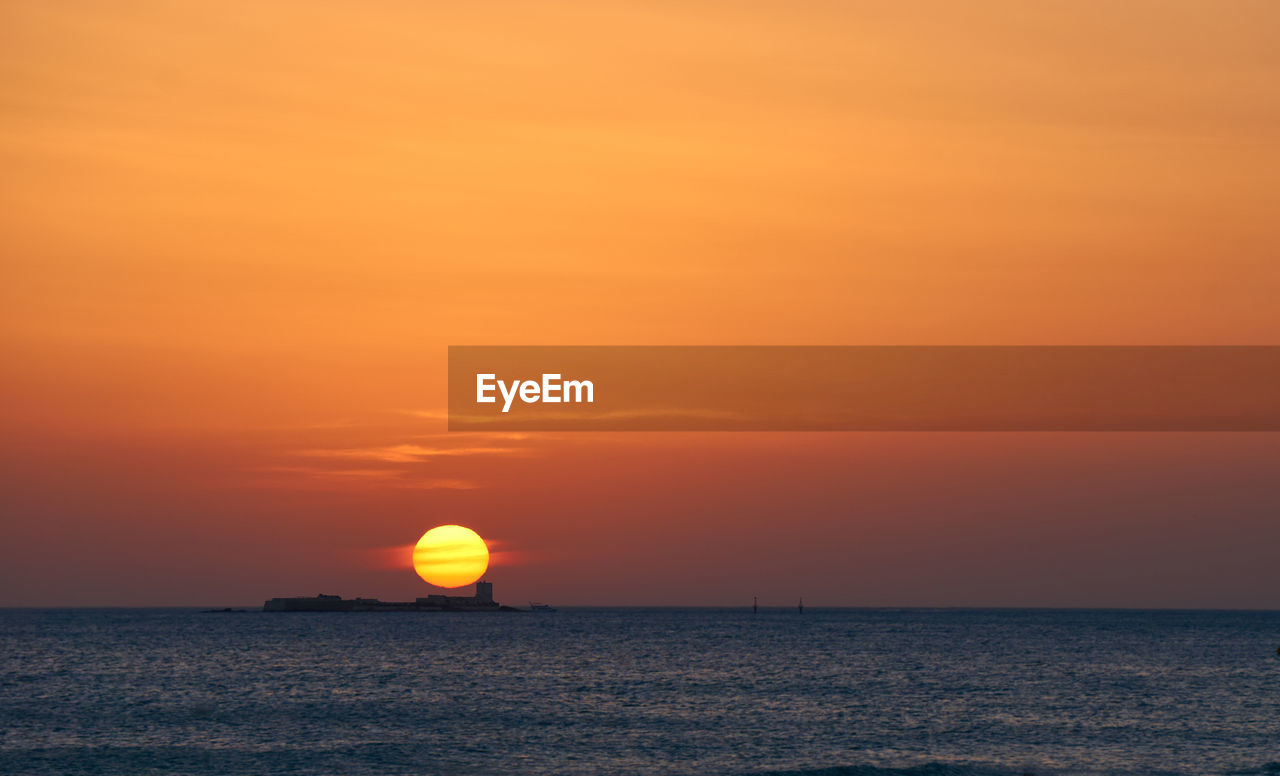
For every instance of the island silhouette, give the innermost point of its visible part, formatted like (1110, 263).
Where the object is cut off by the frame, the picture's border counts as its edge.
(481, 601)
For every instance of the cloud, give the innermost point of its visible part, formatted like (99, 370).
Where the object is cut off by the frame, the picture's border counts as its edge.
(427, 414)
(400, 556)
(314, 477)
(440, 484)
(405, 453)
(589, 419)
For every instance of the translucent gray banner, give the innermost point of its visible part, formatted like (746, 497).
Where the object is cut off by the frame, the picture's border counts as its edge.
(761, 388)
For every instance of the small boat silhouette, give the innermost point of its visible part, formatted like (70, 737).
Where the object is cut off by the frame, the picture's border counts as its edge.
(536, 607)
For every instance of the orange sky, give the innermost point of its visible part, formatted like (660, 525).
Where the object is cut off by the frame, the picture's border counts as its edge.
(237, 238)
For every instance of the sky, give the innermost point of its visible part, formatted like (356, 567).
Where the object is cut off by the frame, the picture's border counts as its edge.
(236, 240)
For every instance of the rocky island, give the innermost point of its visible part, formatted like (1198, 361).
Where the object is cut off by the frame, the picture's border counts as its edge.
(482, 601)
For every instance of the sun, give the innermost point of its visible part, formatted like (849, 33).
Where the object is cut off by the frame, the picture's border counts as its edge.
(450, 556)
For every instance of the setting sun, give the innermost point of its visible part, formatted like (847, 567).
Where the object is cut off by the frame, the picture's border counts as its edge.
(450, 556)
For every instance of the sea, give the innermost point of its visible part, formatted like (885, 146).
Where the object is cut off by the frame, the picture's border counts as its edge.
(830, 692)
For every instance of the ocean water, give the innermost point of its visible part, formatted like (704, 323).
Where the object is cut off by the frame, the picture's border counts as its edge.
(640, 691)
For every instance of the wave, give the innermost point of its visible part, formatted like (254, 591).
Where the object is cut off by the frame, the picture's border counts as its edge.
(924, 769)
(957, 769)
